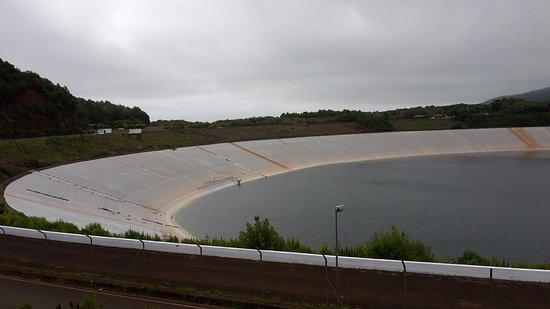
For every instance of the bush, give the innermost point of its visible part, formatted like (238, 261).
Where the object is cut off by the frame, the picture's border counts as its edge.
(63, 226)
(95, 229)
(139, 235)
(294, 245)
(325, 249)
(470, 257)
(396, 245)
(261, 235)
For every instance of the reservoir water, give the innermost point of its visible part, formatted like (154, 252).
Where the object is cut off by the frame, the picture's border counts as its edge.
(496, 204)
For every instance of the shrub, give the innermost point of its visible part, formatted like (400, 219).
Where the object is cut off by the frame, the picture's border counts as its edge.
(396, 245)
(261, 235)
(294, 245)
(470, 257)
(95, 229)
(63, 226)
(325, 249)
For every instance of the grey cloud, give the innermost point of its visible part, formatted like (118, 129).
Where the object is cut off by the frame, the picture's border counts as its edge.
(207, 60)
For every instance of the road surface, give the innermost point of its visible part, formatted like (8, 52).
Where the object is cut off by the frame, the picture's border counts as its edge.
(18, 291)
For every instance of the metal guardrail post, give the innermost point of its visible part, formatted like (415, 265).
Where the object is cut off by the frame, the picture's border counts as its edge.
(143, 251)
(92, 248)
(261, 271)
(328, 280)
(404, 277)
(202, 268)
(404, 283)
(326, 277)
(45, 247)
(492, 287)
(5, 243)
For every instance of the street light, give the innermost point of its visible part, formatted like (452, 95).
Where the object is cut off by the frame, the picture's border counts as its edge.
(339, 208)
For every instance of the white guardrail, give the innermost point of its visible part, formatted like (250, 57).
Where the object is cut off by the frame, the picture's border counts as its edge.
(500, 273)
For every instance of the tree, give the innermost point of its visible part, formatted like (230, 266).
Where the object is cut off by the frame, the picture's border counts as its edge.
(471, 258)
(261, 235)
(396, 245)
(376, 123)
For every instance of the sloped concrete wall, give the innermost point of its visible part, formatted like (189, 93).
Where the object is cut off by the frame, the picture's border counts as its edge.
(143, 191)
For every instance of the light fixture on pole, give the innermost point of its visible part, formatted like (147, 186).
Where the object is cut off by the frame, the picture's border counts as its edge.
(339, 208)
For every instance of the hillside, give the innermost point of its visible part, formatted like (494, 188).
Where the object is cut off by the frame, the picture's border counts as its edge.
(539, 95)
(32, 106)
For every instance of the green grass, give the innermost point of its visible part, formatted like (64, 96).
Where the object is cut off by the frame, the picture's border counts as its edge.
(21, 155)
(394, 244)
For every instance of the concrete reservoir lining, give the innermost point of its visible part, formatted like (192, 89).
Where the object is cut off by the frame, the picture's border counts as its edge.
(143, 191)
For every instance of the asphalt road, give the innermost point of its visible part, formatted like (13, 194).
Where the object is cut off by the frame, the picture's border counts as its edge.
(16, 291)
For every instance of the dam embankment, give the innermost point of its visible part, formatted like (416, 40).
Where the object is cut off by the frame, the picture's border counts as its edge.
(143, 191)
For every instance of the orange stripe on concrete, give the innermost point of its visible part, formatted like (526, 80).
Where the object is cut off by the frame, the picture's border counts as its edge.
(523, 136)
(262, 157)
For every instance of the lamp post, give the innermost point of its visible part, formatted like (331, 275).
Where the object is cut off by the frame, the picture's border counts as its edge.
(339, 208)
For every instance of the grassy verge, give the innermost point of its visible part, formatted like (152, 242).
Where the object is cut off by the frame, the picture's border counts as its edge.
(260, 234)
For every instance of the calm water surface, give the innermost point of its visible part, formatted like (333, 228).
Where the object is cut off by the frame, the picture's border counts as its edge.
(495, 204)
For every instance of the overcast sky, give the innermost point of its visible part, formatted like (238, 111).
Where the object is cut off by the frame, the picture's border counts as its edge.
(208, 60)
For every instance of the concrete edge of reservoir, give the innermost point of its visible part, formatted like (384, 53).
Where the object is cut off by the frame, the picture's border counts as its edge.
(143, 191)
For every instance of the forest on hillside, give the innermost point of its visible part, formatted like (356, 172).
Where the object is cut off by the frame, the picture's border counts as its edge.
(504, 112)
(32, 106)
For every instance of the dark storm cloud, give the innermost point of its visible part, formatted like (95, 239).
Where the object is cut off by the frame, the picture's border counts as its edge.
(206, 60)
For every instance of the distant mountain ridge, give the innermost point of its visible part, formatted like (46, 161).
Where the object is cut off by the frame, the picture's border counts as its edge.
(539, 95)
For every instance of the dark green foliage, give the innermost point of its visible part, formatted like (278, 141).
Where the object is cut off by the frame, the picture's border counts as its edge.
(25, 306)
(32, 106)
(64, 227)
(107, 114)
(261, 235)
(171, 238)
(470, 257)
(393, 245)
(253, 121)
(396, 245)
(139, 235)
(95, 229)
(293, 244)
(16, 219)
(325, 249)
(89, 302)
(504, 112)
(375, 122)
